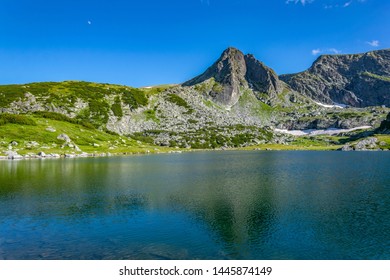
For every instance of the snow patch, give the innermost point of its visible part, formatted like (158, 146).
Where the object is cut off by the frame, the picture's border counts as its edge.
(335, 105)
(329, 131)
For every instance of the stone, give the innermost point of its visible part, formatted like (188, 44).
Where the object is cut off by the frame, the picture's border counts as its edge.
(366, 144)
(64, 137)
(42, 154)
(14, 143)
(347, 148)
(51, 129)
(13, 155)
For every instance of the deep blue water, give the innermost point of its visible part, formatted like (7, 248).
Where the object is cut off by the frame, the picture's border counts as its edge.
(204, 205)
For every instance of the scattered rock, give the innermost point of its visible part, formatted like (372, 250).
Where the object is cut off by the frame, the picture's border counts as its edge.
(64, 137)
(32, 144)
(13, 155)
(347, 148)
(366, 144)
(51, 129)
(42, 154)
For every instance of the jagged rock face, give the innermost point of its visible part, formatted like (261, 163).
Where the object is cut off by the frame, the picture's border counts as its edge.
(358, 80)
(229, 71)
(235, 71)
(262, 78)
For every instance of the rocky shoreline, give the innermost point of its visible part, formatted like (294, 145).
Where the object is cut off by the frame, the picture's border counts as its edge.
(369, 144)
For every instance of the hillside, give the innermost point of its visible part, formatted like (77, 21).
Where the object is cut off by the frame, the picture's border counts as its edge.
(237, 102)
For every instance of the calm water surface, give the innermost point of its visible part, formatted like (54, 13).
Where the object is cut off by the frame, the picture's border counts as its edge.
(205, 205)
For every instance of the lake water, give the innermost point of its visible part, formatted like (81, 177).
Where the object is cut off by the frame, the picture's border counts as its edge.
(203, 205)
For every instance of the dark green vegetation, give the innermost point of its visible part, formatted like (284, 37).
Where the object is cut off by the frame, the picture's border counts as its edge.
(135, 98)
(209, 138)
(175, 99)
(16, 119)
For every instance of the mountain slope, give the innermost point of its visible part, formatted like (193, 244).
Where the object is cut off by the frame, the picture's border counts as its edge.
(237, 102)
(358, 80)
(233, 72)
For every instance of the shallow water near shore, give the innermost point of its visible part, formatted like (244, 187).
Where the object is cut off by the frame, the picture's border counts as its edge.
(205, 205)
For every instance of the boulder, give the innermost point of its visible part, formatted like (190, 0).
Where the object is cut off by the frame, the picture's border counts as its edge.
(42, 154)
(346, 148)
(369, 143)
(64, 137)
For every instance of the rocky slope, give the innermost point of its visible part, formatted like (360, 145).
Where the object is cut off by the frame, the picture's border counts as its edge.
(237, 102)
(358, 80)
(385, 125)
(226, 80)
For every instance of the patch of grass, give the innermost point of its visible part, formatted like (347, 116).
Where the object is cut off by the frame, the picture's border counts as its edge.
(217, 88)
(139, 136)
(116, 108)
(10, 93)
(151, 115)
(135, 98)
(175, 99)
(6, 118)
(54, 116)
(192, 121)
(375, 76)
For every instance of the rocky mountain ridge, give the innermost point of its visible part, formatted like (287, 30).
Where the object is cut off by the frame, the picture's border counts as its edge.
(357, 80)
(236, 102)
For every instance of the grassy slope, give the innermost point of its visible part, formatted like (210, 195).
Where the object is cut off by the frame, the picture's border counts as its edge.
(65, 93)
(83, 137)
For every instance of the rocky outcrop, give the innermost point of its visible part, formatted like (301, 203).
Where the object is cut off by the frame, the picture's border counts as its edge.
(233, 72)
(262, 78)
(370, 143)
(358, 80)
(385, 125)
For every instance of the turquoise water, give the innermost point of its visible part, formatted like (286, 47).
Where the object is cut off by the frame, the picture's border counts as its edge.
(204, 205)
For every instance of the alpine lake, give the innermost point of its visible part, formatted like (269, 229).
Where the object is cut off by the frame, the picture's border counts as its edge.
(202, 205)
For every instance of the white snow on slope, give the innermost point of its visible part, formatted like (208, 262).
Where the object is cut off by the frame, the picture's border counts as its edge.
(336, 105)
(329, 131)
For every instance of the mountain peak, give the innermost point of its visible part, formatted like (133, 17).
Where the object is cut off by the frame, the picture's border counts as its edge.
(231, 52)
(234, 71)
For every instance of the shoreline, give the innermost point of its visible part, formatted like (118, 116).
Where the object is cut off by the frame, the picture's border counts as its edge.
(126, 154)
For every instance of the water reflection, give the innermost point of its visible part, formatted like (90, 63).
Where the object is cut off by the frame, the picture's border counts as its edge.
(234, 205)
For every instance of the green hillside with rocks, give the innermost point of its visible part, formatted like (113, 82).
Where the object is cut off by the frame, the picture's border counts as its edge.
(237, 103)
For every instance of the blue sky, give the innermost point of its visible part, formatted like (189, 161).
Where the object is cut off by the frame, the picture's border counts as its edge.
(149, 42)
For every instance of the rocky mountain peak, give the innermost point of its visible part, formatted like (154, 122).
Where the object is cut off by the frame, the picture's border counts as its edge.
(235, 71)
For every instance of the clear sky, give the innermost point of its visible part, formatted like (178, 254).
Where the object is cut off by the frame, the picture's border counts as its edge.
(149, 42)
